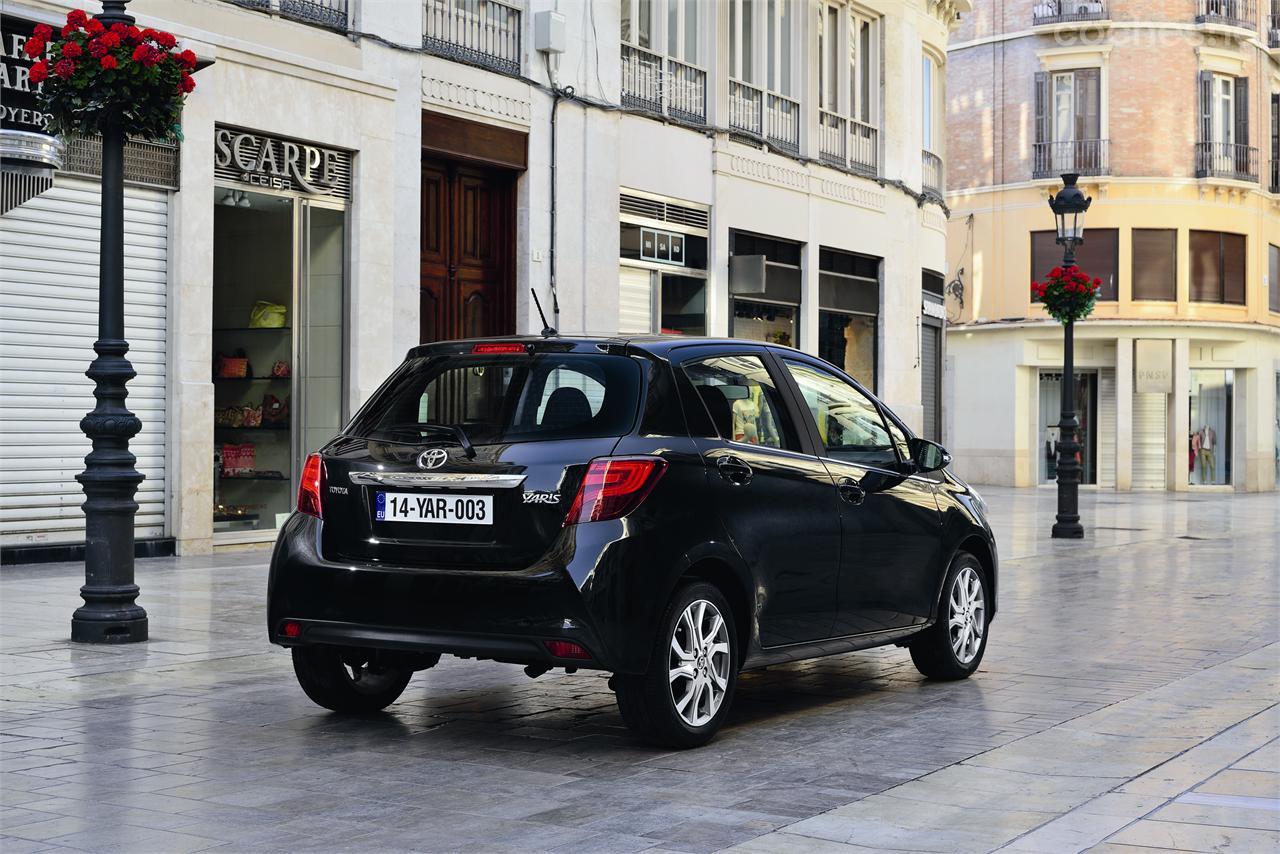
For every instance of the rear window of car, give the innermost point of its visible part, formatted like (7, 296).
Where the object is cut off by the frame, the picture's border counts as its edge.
(504, 398)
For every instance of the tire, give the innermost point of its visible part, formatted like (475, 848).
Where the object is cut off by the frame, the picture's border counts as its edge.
(944, 650)
(348, 681)
(649, 703)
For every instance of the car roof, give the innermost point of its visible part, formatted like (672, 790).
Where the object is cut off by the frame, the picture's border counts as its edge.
(659, 345)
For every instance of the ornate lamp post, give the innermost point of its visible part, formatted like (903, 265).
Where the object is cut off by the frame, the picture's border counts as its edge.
(1069, 207)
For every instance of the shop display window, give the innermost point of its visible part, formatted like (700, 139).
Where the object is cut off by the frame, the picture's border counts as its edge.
(1086, 402)
(762, 321)
(1209, 428)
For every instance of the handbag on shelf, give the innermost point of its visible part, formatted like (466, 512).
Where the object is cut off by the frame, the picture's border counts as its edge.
(280, 368)
(231, 367)
(266, 315)
(252, 416)
(275, 410)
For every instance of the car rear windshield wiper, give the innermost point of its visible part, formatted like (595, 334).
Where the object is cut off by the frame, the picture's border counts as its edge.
(452, 429)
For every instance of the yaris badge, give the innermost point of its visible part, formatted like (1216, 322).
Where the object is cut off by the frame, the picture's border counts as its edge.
(433, 458)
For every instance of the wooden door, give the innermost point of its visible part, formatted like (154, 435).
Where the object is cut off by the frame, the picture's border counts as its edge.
(467, 263)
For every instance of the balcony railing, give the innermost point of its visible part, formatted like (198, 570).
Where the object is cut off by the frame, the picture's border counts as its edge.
(1081, 156)
(1231, 13)
(1226, 160)
(483, 32)
(760, 114)
(1273, 30)
(1069, 12)
(324, 13)
(662, 85)
(848, 144)
(931, 176)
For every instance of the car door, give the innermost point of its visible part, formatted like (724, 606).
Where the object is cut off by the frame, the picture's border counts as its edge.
(776, 501)
(890, 524)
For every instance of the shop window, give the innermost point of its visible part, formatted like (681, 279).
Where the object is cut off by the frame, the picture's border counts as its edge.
(1099, 256)
(1217, 267)
(662, 280)
(1273, 277)
(1086, 403)
(764, 282)
(848, 315)
(1155, 264)
(1209, 429)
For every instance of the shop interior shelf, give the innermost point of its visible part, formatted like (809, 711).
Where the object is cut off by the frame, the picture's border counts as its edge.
(253, 329)
(279, 427)
(247, 379)
(277, 477)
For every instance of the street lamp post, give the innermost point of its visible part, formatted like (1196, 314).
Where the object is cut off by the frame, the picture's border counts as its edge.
(110, 613)
(1069, 207)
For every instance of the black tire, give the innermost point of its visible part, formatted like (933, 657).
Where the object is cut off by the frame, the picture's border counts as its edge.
(647, 702)
(932, 650)
(348, 681)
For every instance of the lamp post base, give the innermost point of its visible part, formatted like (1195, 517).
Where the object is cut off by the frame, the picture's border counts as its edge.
(1068, 531)
(102, 620)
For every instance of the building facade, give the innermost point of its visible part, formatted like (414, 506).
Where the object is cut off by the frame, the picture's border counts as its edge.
(1169, 111)
(359, 177)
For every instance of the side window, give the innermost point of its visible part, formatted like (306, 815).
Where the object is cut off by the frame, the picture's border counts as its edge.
(742, 401)
(849, 424)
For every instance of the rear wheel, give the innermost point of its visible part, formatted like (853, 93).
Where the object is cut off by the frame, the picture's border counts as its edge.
(351, 681)
(684, 698)
(952, 648)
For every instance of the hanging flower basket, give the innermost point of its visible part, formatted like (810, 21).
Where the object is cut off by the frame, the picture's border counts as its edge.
(122, 78)
(1068, 294)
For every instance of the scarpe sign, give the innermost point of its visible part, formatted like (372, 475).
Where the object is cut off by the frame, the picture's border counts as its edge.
(281, 164)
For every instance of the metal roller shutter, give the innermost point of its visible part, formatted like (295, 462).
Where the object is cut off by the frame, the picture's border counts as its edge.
(1107, 428)
(635, 300)
(930, 372)
(48, 323)
(1149, 441)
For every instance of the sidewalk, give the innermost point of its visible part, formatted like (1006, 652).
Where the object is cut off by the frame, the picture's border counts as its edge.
(1128, 700)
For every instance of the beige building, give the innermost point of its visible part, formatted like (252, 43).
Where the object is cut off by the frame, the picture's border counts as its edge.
(1169, 111)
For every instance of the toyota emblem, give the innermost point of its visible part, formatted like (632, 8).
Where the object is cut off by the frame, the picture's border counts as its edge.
(433, 458)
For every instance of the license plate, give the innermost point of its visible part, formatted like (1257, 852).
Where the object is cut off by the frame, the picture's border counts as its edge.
(439, 508)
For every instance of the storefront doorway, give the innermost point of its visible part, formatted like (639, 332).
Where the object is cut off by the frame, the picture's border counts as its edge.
(279, 308)
(1210, 415)
(468, 251)
(1086, 400)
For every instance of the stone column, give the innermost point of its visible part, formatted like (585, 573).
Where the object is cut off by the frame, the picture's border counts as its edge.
(1124, 414)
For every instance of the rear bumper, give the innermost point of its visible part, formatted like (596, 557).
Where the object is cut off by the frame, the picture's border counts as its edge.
(502, 615)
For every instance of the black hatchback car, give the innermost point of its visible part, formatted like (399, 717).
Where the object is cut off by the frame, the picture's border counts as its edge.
(671, 510)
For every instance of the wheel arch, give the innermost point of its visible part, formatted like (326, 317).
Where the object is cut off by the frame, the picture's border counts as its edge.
(720, 574)
(980, 549)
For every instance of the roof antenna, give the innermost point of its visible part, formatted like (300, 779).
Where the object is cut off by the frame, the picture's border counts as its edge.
(548, 331)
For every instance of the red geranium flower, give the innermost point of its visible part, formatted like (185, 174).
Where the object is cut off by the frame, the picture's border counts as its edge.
(166, 40)
(33, 47)
(93, 26)
(187, 58)
(133, 33)
(140, 53)
(97, 49)
(71, 50)
(68, 29)
(44, 32)
(148, 34)
(1098, 282)
(1055, 272)
(109, 62)
(39, 72)
(77, 17)
(111, 39)
(187, 83)
(64, 68)
(119, 29)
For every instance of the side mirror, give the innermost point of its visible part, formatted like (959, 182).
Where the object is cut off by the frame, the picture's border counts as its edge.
(928, 456)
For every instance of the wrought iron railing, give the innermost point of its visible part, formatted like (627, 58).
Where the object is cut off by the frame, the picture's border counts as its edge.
(1273, 29)
(1069, 11)
(1226, 160)
(1081, 156)
(1232, 13)
(656, 84)
(931, 175)
(334, 14)
(483, 32)
(764, 115)
(848, 143)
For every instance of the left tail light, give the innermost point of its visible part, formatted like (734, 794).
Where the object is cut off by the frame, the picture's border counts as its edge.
(613, 487)
(311, 486)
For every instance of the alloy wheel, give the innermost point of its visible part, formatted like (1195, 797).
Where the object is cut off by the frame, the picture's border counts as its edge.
(699, 663)
(966, 615)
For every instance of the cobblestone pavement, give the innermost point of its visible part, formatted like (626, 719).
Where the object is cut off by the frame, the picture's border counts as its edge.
(1128, 700)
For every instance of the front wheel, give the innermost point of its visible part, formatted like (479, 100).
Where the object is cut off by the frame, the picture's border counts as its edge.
(952, 647)
(683, 699)
(350, 681)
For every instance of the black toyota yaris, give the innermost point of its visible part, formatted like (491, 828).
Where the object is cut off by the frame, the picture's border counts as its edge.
(671, 510)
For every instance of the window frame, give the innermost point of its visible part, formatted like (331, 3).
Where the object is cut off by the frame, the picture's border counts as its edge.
(770, 53)
(660, 29)
(857, 80)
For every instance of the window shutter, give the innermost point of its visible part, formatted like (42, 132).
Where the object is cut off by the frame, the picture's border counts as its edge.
(1206, 106)
(1242, 110)
(1275, 132)
(1042, 106)
(1088, 98)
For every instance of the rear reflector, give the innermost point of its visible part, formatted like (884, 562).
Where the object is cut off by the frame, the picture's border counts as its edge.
(613, 487)
(290, 629)
(310, 487)
(498, 348)
(565, 649)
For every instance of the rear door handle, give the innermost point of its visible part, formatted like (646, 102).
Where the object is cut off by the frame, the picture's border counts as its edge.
(850, 491)
(735, 470)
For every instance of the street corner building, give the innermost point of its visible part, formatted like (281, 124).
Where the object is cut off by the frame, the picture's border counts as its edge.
(355, 178)
(1170, 115)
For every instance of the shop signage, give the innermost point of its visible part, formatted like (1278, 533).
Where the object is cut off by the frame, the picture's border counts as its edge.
(28, 152)
(1153, 367)
(663, 246)
(933, 309)
(18, 108)
(277, 163)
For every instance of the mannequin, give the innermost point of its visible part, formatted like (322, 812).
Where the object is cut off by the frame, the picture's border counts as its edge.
(1208, 441)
